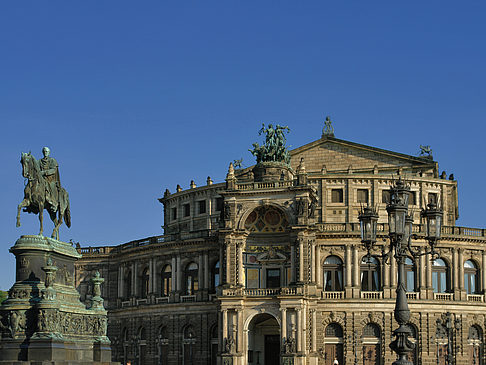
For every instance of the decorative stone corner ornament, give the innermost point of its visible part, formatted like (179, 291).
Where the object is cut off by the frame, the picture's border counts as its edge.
(49, 293)
(97, 300)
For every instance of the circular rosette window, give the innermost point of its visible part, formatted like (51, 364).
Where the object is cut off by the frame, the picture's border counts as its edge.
(266, 220)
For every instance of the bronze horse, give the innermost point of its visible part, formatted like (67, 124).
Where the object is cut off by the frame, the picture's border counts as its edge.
(35, 194)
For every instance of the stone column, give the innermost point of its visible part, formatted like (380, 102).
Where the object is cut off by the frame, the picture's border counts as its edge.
(298, 320)
(318, 275)
(483, 272)
(455, 271)
(179, 273)
(301, 260)
(292, 264)
(240, 263)
(225, 324)
(229, 279)
(313, 262)
(349, 265)
(221, 266)
(239, 321)
(200, 272)
(356, 272)
(134, 279)
(386, 279)
(206, 271)
(173, 274)
(393, 276)
(120, 281)
(422, 279)
(283, 312)
(428, 276)
(151, 276)
(460, 265)
(304, 328)
(314, 330)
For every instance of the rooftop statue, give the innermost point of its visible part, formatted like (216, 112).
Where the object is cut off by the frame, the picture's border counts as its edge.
(425, 151)
(43, 191)
(328, 129)
(274, 149)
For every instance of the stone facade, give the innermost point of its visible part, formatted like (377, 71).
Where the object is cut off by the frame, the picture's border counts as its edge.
(268, 268)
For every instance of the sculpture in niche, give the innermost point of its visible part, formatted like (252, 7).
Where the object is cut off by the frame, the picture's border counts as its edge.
(289, 345)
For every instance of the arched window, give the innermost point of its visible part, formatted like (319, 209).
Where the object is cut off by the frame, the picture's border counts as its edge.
(370, 274)
(474, 333)
(162, 343)
(334, 330)
(440, 276)
(371, 344)
(188, 343)
(191, 275)
(372, 330)
(214, 277)
(471, 277)
(141, 345)
(145, 280)
(142, 334)
(333, 274)
(410, 275)
(166, 281)
(127, 285)
(334, 340)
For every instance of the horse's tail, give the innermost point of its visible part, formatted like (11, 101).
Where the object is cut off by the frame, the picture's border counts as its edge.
(67, 215)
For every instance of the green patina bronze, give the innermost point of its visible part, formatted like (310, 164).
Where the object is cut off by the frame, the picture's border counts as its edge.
(43, 191)
(274, 149)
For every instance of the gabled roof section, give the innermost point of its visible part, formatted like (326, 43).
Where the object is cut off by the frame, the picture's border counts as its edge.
(336, 155)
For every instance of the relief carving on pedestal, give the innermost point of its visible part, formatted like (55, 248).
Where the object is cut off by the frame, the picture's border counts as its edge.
(49, 320)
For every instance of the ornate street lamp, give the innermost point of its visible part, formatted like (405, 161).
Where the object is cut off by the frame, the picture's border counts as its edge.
(400, 235)
(433, 222)
(368, 218)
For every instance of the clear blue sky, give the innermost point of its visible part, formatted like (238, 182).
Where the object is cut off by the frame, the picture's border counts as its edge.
(135, 97)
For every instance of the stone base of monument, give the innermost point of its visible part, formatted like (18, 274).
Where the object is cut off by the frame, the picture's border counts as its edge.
(272, 171)
(43, 321)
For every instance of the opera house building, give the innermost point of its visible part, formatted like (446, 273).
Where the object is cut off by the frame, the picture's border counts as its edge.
(269, 266)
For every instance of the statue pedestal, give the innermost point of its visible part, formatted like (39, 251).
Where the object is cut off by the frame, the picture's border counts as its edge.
(272, 171)
(43, 319)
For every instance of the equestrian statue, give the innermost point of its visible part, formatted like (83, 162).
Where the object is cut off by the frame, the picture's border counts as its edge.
(43, 190)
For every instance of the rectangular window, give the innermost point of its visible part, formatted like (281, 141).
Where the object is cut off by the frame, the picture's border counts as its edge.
(187, 210)
(202, 206)
(410, 281)
(385, 196)
(412, 198)
(273, 278)
(362, 196)
(219, 204)
(337, 196)
(174, 213)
